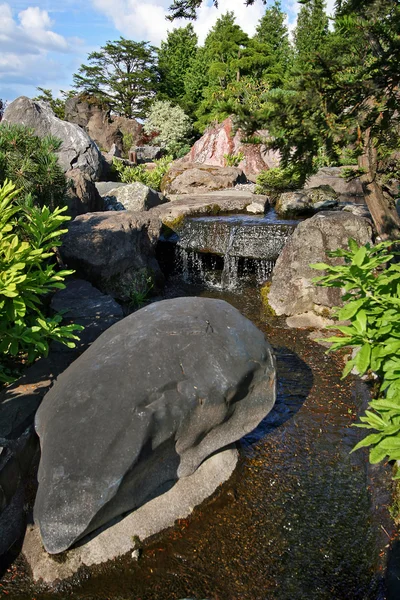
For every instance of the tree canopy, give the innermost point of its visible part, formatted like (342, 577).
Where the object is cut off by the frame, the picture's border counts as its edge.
(122, 74)
(175, 58)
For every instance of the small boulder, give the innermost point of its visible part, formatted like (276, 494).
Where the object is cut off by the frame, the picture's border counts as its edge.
(146, 154)
(82, 195)
(332, 176)
(77, 151)
(144, 406)
(309, 201)
(114, 250)
(257, 207)
(134, 196)
(189, 178)
(292, 291)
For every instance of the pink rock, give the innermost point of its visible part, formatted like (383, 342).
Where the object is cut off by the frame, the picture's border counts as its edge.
(220, 139)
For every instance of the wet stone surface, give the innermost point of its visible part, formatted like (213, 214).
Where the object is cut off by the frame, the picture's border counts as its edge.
(300, 518)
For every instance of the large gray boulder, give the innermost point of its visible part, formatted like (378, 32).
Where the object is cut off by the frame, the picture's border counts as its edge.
(190, 178)
(78, 151)
(306, 202)
(133, 196)
(144, 406)
(114, 250)
(347, 191)
(292, 291)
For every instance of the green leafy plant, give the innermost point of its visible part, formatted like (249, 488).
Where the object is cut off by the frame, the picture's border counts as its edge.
(150, 177)
(128, 140)
(371, 281)
(140, 288)
(233, 160)
(27, 238)
(279, 179)
(31, 164)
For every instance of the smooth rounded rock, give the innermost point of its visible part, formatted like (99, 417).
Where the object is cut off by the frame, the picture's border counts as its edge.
(144, 406)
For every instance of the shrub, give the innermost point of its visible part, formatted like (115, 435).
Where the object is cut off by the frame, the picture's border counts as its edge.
(372, 301)
(152, 178)
(30, 163)
(280, 179)
(233, 160)
(171, 124)
(26, 277)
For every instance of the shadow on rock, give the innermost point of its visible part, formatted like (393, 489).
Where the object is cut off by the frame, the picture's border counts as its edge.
(295, 380)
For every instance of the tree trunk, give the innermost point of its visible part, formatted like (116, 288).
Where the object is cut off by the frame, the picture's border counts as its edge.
(384, 214)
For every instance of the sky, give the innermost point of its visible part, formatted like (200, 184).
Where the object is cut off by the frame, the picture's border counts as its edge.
(43, 42)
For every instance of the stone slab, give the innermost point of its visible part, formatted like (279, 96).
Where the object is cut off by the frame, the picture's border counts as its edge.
(149, 519)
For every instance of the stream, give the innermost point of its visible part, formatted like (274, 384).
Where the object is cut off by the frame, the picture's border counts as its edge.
(300, 519)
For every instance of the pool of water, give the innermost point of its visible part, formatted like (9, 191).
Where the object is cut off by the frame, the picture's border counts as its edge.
(300, 519)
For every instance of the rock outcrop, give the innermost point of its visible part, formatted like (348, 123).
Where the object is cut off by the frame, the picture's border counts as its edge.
(189, 178)
(133, 196)
(306, 202)
(114, 250)
(77, 151)
(82, 195)
(219, 140)
(105, 129)
(144, 406)
(292, 290)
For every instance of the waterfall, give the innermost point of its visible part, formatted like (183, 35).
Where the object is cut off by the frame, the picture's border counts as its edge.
(226, 251)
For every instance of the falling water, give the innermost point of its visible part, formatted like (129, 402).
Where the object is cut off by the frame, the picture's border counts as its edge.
(223, 252)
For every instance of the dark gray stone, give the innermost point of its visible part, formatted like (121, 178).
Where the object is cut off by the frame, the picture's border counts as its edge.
(292, 291)
(135, 196)
(85, 305)
(114, 250)
(153, 397)
(148, 153)
(77, 151)
(103, 187)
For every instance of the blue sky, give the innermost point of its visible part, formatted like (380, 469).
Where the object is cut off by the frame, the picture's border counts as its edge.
(43, 42)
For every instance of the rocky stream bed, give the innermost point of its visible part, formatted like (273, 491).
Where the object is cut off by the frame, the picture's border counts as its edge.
(300, 518)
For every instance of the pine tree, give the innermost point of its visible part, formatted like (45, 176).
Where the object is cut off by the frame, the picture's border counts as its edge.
(123, 75)
(174, 60)
(311, 32)
(227, 57)
(273, 33)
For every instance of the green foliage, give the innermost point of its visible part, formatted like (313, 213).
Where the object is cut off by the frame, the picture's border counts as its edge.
(31, 164)
(233, 160)
(371, 280)
(26, 277)
(273, 33)
(127, 142)
(174, 60)
(170, 123)
(311, 34)
(279, 179)
(150, 177)
(139, 289)
(57, 105)
(122, 74)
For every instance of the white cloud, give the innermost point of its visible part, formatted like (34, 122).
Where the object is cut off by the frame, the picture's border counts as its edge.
(146, 19)
(30, 33)
(30, 49)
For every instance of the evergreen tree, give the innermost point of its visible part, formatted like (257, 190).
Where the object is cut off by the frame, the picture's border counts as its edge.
(273, 33)
(228, 56)
(123, 75)
(311, 32)
(174, 60)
